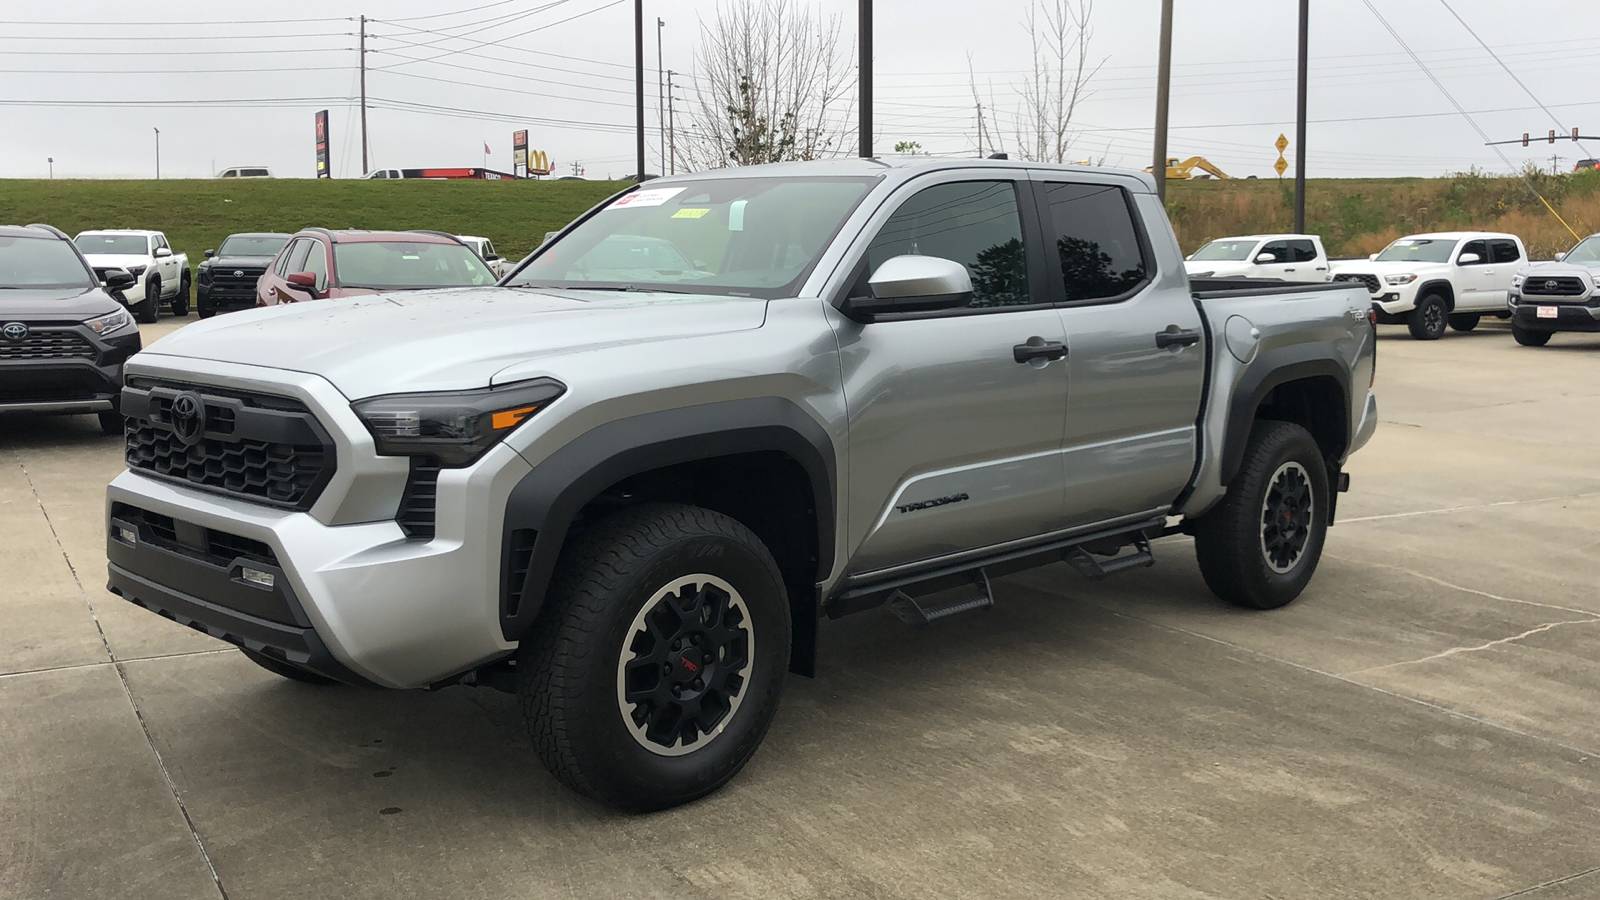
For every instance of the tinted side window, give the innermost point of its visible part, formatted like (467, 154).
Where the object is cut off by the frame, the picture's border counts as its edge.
(231, 173)
(317, 263)
(281, 269)
(297, 260)
(1302, 251)
(975, 223)
(1096, 240)
(1278, 249)
(1479, 247)
(1504, 251)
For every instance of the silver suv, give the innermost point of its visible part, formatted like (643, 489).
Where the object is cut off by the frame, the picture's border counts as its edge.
(628, 482)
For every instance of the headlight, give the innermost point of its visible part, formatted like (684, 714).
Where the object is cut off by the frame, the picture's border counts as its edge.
(1400, 279)
(110, 322)
(1516, 280)
(137, 271)
(455, 427)
(204, 275)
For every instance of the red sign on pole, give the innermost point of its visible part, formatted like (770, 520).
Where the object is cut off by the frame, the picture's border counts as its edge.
(322, 145)
(519, 153)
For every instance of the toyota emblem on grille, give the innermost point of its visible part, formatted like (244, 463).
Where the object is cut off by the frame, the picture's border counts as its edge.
(187, 416)
(14, 331)
(238, 273)
(1551, 285)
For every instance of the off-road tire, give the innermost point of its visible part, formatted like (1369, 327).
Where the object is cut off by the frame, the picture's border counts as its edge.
(1427, 322)
(180, 301)
(1230, 540)
(111, 422)
(150, 307)
(570, 667)
(285, 670)
(1527, 337)
(1464, 321)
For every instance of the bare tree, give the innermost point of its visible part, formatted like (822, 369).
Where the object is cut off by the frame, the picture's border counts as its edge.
(1060, 34)
(773, 83)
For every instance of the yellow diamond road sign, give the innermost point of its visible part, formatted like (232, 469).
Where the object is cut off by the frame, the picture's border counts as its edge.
(1282, 144)
(1280, 165)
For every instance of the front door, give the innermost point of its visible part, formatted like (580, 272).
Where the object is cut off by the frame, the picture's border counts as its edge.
(954, 444)
(1135, 352)
(1476, 278)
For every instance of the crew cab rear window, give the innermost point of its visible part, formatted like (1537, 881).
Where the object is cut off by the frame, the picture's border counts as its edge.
(1302, 251)
(1504, 251)
(1096, 240)
(975, 223)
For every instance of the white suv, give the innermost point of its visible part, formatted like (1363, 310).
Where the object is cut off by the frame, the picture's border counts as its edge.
(1428, 281)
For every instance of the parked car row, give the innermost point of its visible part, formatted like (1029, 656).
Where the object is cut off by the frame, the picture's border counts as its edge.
(1433, 282)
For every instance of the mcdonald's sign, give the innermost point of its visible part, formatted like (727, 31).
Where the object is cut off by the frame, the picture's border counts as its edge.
(538, 163)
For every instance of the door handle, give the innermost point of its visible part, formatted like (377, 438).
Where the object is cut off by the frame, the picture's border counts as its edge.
(1288, 270)
(1176, 337)
(1038, 348)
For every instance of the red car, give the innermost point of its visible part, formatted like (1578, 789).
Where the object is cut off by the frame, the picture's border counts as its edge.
(317, 264)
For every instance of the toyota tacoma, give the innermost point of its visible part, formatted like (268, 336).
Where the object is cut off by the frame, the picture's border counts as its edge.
(869, 384)
(1559, 296)
(1428, 282)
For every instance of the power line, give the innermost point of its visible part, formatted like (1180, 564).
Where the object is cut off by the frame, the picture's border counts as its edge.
(180, 24)
(482, 24)
(246, 101)
(175, 37)
(459, 12)
(189, 52)
(523, 33)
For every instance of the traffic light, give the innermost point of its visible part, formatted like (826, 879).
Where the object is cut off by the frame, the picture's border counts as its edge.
(1524, 139)
(1552, 135)
(1574, 134)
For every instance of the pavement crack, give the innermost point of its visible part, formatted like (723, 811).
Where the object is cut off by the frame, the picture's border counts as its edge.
(122, 678)
(1463, 588)
(1471, 506)
(1453, 651)
(1547, 884)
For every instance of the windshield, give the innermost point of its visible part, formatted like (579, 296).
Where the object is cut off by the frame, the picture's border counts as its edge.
(406, 265)
(1418, 250)
(130, 244)
(1587, 253)
(252, 245)
(1226, 250)
(740, 237)
(37, 263)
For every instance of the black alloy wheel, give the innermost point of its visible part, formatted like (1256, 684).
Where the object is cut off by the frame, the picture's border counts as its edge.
(1427, 322)
(1286, 517)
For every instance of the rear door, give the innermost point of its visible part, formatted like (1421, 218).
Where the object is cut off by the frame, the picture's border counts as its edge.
(954, 444)
(1307, 261)
(167, 265)
(1135, 351)
(1505, 260)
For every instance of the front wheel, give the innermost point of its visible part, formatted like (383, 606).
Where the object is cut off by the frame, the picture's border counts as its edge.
(1259, 547)
(150, 307)
(1427, 322)
(655, 666)
(1529, 338)
(1464, 321)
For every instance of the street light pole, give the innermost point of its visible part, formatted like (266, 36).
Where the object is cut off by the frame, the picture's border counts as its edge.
(864, 75)
(52, 161)
(1163, 90)
(661, 95)
(1300, 126)
(158, 154)
(638, 82)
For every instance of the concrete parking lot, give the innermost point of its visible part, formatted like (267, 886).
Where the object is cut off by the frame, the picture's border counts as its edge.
(1422, 723)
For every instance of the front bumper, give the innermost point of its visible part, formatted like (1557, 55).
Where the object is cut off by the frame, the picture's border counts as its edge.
(1569, 316)
(68, 385)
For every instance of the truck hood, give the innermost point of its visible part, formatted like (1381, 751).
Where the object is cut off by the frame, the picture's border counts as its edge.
(55, 305)
(1551, 269)
(223, 262)
(120, 260)
(454, 339)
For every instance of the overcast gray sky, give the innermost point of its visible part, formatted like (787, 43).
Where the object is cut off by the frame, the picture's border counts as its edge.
(1373, 111)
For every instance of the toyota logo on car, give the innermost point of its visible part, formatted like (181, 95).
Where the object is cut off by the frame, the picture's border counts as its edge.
(187, 416)
(14, 331)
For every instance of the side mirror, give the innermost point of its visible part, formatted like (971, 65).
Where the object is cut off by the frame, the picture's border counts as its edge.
(549, 236)
(119, 279)
(1266, 258)
(1467, 259)
(210, 253)
(493, 257)
(906, 284)
(304, 281)
(162, 253)
(1560, 257)
(1372, 257)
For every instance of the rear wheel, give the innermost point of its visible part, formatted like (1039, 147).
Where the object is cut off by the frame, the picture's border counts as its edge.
(1529, 338)
(1464, 321)
(180, 302)
(150, 307)
(1259, 547)
(1427, 321)
(656, 664)
(285, 670)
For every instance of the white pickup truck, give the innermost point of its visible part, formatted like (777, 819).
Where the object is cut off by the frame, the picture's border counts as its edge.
(1426, 281)
(1287, 257)
(163, 276)
(482, 246)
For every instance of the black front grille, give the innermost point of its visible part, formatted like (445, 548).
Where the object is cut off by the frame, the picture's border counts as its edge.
(48, 345)
(258, 447)
(1554, 286)
(219, 548)
(1371, 281)
(224, 281)
(419, 503)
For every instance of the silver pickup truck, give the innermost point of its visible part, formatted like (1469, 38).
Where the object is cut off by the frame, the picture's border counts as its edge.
(628, 482)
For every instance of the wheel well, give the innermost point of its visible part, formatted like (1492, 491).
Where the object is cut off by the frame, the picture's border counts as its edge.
(768, 492)
(1444, 289)
(1316, 404)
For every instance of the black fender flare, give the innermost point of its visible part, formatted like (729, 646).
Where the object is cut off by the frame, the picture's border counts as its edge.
(548, 499)
(1273, 368)
(1439, 286)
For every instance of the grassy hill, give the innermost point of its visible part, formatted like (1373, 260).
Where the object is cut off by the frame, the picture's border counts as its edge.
(1354, 216)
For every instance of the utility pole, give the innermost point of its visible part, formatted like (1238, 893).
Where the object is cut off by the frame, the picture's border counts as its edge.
(158, 154)
(1555, 164)
(1163, 94)
(661, 94)
(672, 128)
(864, 75)
(638, 82)
(1300, 124)
(364, 95)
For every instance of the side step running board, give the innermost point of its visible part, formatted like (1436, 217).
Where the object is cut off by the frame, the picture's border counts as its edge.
(1095, 569)
(912, 612)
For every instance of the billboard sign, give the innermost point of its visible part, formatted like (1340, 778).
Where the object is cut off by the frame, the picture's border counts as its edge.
(322, 145)
(519, 153)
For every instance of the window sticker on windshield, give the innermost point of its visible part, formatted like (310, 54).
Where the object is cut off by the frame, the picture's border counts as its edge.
(652, 197)
(690, 213)
(409, 256)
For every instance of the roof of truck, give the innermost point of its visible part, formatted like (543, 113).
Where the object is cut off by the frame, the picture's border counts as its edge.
(359, 236)
(1458, 235)
(142, 231)
(1274, 235)
(27, 231)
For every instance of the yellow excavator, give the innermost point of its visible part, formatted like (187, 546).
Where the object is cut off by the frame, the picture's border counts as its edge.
(1184, 170)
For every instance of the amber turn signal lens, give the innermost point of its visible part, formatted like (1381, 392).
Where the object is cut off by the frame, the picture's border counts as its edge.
(510, 418)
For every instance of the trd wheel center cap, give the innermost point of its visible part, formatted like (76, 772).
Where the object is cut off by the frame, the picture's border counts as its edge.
(689, 665)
